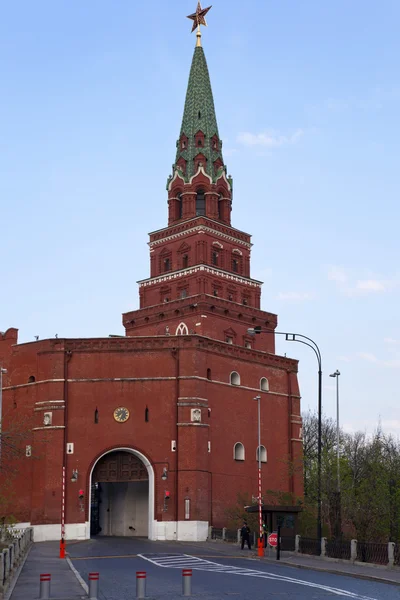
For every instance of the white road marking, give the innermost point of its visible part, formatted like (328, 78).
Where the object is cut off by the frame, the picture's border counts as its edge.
(186, 561)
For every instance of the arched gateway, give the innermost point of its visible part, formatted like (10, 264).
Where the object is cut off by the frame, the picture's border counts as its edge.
(122, 495)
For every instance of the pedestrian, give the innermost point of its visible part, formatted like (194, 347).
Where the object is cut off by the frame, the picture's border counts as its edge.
(245, 535)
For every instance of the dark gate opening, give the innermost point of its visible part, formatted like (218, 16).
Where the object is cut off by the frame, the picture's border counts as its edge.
(119, 498)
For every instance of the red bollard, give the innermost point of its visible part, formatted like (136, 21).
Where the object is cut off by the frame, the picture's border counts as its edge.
(62, 548)
(140, 584)
(44, 591)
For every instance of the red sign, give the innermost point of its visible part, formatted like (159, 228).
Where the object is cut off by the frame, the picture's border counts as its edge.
(273, 539)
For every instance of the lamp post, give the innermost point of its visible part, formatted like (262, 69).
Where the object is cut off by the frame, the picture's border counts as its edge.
(2, 372)
(260, 524)
(303, 339)
(336, 375)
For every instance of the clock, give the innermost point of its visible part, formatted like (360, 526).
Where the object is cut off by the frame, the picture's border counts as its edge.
(121, 414)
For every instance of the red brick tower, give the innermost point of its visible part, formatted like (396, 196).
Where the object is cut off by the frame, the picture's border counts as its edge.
(199, 263)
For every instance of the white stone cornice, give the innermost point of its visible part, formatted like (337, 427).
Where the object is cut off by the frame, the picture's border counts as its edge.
(171, 276)
(199, 229)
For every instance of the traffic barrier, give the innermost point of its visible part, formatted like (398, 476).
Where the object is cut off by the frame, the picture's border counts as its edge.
(93, 586)
(140, 584)
(44, 591)
(186, 582)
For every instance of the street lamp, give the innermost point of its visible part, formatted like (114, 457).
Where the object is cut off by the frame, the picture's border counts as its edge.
(303, 339)
(2, 372)
(260, 523)
(336, 375)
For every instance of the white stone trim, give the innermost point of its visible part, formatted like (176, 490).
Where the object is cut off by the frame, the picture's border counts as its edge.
(50, 402)
(192, 270)
(200, 170)
(223, 176)
(204, 229)
(184, 531)
(192, 531)
(48, 427)
(22, 385)
(177, 173)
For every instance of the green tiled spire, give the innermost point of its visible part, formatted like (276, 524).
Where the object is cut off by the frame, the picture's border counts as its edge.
(199, 114)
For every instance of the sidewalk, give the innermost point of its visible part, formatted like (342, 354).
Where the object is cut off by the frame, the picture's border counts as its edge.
(372, 572)
(379, 573)
(44, 558)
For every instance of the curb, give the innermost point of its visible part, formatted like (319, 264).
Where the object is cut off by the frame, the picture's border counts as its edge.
(333, 571)
(77, 575)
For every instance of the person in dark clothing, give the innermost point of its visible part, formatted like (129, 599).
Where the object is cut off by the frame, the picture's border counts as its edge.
(245, 535)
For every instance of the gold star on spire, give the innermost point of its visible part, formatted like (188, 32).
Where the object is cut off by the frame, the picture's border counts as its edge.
(199, 18)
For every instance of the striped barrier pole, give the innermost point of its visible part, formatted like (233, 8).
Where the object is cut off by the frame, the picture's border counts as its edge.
(140, 584)
(44, 591)
(93, 586)
(186, 582)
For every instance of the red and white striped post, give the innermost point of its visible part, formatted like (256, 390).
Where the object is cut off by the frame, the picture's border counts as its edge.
(93, 586)
(186, 582)
(140, 584)
(260, 550)
(44, 591)
(62, 541)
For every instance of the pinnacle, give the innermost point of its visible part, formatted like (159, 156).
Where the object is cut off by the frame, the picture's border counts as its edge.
(199, 116)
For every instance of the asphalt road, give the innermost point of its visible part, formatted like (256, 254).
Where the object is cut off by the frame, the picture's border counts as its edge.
(218, 572)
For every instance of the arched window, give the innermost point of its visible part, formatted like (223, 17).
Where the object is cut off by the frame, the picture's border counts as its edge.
(209, 374)
(182, 329)
(238, 451)
(179, 215)
(200, 203)
(264, 385)
(263, 453)
(31, 379)
(214, 258)
(167, 264)
(185, 261)
(235, 265)
(235, 378)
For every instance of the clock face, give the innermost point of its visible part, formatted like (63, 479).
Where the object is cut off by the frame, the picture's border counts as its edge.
(121, 414)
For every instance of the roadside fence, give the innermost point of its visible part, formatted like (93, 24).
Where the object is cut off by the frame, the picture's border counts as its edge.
(352, 550)
(14, 545)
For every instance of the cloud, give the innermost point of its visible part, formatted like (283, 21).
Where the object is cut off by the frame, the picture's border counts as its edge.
(295, 296)
(346, 359)
(370, 285)
(269, 139)
(391, 341)
(371, 358)
(337, 274)
(356, 286)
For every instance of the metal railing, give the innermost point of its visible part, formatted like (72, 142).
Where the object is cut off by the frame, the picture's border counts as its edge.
(288, 543)
(216, 533)
(396, 555)
(310, 546)
(371, 552)
(338, 549)
(231, 535)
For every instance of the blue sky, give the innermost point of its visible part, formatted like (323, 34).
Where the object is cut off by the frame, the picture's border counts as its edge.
(307, 96)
